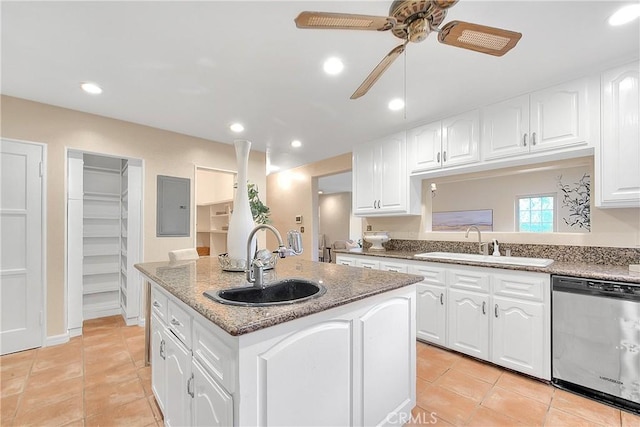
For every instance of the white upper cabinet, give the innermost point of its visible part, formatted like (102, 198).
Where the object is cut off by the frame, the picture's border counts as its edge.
(445, 143)
(618, 157)
(544, 120)
(380, 179)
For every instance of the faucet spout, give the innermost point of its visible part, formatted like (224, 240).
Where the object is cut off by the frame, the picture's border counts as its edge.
(255, 267)
(483, 248)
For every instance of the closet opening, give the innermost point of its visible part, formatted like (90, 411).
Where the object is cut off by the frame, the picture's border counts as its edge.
(104, 238)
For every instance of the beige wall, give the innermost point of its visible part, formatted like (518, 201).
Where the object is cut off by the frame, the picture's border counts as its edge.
(163, 152)
(335, 216)
(294, 192)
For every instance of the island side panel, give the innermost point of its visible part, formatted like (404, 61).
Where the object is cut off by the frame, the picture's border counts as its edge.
(351, 365)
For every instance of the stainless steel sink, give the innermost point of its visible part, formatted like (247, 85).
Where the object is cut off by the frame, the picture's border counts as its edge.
(488, 259)
(287, 291)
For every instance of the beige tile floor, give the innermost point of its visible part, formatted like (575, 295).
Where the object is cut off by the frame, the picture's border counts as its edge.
(99, 379)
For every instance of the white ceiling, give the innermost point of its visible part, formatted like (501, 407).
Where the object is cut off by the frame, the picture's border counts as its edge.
(195, 67)
(337, 183)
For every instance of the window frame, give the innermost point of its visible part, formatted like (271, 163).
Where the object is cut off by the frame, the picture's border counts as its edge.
(533, 196)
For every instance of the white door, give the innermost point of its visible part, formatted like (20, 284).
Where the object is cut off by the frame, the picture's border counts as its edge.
(364, 176)
(461, 139)
(393, 173)
(212, 405)
(468, 323)
(425, 143)
(431, 313)
(21, 253)
(178, 371)
(505, 128)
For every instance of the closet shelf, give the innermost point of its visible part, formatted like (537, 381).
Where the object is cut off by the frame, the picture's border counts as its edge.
(103, 269)
(89, 168)
(99, 252)
(92, 235)
(97, 289)
(102, 216)
(102, 197)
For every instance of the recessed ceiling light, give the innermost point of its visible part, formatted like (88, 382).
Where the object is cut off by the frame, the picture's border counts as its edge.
(333, 66)
(296, 143)
(91, 88)
(396, 104)
(320, 192)
(625, 15)
(236, 127)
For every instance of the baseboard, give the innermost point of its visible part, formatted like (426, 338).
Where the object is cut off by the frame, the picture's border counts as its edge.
(57, 339)
(75, 332)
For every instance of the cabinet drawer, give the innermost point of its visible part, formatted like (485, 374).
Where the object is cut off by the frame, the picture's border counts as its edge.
(159, 304)
(530, 286)
(469, 280)
(179, 323)
(368, 264)
(393, 266)
(214, 355)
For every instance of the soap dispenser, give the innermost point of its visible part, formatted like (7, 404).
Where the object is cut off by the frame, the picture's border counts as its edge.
(496, 248)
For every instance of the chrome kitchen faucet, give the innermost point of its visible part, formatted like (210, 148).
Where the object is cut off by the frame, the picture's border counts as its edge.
(255, 267)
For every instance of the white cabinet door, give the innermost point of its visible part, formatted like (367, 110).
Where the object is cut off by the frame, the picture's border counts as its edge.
(468, 323)
(212, 405)
(388, 360)
(518, 335)
(365, 194)
(460, 139)
(431, 313)
(559, 116)
(158, 363)
(392, 175)
(618, 157)
(178, 374)
(505, 128)
(294, 371)
(380, 178)
(425, 143)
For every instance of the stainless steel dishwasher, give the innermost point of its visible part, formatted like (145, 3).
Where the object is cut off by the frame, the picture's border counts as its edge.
(596, 339)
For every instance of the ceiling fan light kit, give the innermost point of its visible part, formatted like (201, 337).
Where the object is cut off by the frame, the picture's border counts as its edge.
(413, 21)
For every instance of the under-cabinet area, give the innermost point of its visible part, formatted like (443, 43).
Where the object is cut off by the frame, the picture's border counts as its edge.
(501, 316)
(104, 208)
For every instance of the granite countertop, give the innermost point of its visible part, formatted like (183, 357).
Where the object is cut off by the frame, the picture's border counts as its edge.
(188, 280)
(576, 269)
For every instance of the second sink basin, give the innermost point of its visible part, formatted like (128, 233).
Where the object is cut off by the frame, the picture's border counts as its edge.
(489, 259)
(285, 291)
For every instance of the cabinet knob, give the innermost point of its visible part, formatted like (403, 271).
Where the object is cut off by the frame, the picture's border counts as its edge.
(524, 140)
(444, 156)
(156, 304)
(441, 298)
(163, 353)
(495, 310)
(175, 322)
(533, 138)
(484, 307)
(438, 157)
(190, 390)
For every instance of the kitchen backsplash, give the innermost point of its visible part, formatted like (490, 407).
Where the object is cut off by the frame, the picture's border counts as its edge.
(561, 253)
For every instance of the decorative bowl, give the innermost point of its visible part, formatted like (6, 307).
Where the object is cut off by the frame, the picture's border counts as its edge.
(376, 238)
(238, 265)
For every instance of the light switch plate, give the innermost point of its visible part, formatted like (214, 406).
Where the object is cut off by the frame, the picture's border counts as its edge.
(635, 268)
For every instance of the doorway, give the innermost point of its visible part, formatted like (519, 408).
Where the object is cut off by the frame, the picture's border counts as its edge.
(104, 238)
(336, 222)
(22, 254)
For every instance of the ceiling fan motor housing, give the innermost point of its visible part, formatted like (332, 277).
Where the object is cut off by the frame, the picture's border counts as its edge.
(416, 18)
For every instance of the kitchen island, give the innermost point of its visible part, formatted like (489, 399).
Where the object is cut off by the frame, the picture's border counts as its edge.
(344, 358)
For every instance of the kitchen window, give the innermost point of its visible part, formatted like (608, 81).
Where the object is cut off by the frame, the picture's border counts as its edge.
(536, 213)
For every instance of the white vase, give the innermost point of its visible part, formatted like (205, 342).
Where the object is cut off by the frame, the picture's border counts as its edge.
(241, 221)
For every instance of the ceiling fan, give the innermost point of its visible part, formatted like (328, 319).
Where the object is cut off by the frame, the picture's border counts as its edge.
(412, 21)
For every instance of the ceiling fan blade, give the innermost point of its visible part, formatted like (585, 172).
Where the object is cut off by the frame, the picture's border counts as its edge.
(378, 71)
(344, 21)
(490, 40)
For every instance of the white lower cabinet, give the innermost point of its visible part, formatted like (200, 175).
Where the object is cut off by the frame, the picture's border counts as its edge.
(501, 316)
(186, 393)
(431, 299)
(177, 410)
(212, 405)
(351, 365)
(467, 323)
